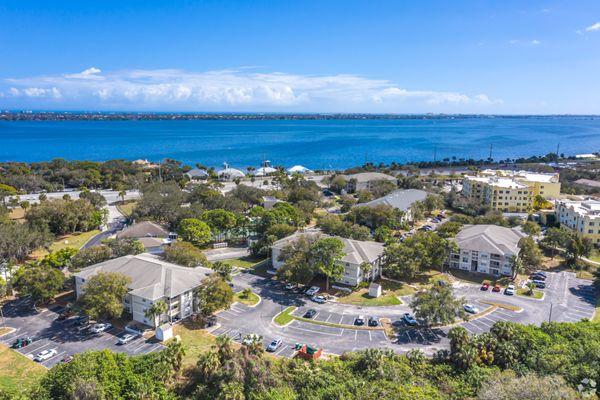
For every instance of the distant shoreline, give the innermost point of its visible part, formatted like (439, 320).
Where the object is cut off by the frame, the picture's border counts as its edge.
(185, 116)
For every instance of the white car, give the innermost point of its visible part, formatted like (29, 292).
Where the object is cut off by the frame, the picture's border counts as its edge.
(45, 355)
(289, 286)
(126, 338)
(470, 308)
(318, 299)
(274, 345)
(99, 328)
(510, 290)
(312, 291)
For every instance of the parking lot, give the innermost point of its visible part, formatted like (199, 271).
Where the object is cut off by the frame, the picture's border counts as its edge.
(48, 333)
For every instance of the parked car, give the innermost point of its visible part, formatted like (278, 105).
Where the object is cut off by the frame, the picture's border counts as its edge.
(537, 276)
(318, 299)
(436, 220)
(409, 319)
(100, 327)
(21, 342)
(373, 321)
(289, 286)
(360, 320)
(312, 291)
(81, 320)
(64, 315)
(126, 338)
(470, 308)
(310, 313)
(274, 345)
(496, 288)
(485, 286)
(541, 273)
(510, 290)
(45, 355)
(66, 359)
(539, 284)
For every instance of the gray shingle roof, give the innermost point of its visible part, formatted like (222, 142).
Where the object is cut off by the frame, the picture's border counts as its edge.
(490, 239)
(197, 173)
(355, 251)
(143, 229)
(400, 199)
(151, 278)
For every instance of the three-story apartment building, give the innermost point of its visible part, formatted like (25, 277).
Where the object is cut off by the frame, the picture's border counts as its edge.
(582, 217)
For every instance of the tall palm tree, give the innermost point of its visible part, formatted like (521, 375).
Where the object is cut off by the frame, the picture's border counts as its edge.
(224, 347)
(208, 364)
(156, 309)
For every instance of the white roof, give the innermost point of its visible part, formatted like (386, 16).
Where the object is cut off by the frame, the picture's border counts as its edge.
(523, 175)
(584, 208)
(299, 168)
(508, 183)
(232, 172)
(370, 176)
(262, 171)
(401, 199)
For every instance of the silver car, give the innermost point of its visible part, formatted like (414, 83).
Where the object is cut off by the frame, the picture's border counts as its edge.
(274, 345)
(126, 338)
(45, 355)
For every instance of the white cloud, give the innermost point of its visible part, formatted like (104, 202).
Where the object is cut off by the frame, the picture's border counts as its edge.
(593, 28)
(535, 42)
(229, 90)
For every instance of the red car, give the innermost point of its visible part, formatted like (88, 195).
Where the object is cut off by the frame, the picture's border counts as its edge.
(485, 286)
(496, 288)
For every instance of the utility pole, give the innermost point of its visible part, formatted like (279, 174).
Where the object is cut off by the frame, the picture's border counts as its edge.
(557, 149)
(491, 147)
(550, 315)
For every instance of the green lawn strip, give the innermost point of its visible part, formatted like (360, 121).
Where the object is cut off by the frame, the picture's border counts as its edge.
(18, 372)
(244, 262)
(195, 341)
(285, 317)
(127, 208)
(361, 298)
(525, 293)
(75, 241)
(251, 300)
(597, 313)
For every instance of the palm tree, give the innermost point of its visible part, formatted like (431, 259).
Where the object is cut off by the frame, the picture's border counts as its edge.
(122, 194)
(530, 287)
(155, 310)
(232, 391)
(208, 364)
(224, 347)
(366, 269)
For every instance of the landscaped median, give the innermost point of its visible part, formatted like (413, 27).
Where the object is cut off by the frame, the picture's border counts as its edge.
(536, 294)
(502, 305)
(286, 316)
(248, 298)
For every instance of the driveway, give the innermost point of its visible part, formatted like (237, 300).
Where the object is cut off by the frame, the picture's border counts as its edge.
(567, 299)
(48, 333)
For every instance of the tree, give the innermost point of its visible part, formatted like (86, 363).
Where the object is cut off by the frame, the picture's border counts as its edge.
(194, 231)
(432, 202)
(124, 247)
(213, 294)
(507, 385)
(529, 253)
(60, 258)
(17, 241)
(40, 282)
(66, 216)
(184, 253)
(449, 229)
(5, 191)
(530, 288)
(297, 265)
(576, 248)
(437, 306)
(219, 220)
(422, 251)
(324, 254)
(531, 228)
(104, 294)
(90, 256)
(95, 198)
(157, 309)
(223, 269)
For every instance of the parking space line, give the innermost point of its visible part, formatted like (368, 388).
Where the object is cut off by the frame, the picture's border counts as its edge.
(370, 338)
(355, 334)
(53, 358)
(311, 331)
(37, 349)
(327, 320)
(580, 314)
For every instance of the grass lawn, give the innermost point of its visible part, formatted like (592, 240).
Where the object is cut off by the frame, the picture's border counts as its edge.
(251, 300)
(584, 274)
(195, 341)
(595, 255)
(127, 208)
(244, 262)
(76, 241)
(16, 213)
(537, 294)
(361, 298)
(597, 313)
(285, 317)
(17, 372)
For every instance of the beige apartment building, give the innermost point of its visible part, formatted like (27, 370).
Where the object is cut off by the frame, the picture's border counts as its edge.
(510, 191)
(582, 217)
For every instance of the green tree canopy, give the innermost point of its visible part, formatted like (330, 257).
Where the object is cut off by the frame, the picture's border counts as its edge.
(214, 294)
(437, 306)
(38, 281)
(195, 231)
(186, 254)
(104, 294)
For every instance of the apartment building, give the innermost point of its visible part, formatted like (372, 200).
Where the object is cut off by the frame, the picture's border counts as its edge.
(510, 191)
(401, 199)
(365, 180)
(152, 280)
(356, 252)
(582, 217)
(486, 249)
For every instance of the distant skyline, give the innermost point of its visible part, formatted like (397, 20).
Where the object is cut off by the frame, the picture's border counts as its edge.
(509, 57)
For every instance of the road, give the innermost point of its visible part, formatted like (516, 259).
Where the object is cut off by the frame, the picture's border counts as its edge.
(567, 299)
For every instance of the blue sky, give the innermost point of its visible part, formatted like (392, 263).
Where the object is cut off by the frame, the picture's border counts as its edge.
(307, 56)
